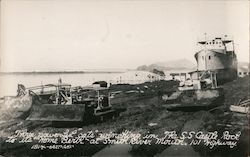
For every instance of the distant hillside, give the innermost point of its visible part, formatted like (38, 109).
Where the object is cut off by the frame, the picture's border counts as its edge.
(243, 65)
(181, 64)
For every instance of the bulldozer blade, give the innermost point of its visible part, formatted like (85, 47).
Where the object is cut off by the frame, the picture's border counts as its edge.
(51, 112)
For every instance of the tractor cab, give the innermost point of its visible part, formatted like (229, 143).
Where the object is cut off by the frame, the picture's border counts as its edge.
(57, 94)
(94, 97)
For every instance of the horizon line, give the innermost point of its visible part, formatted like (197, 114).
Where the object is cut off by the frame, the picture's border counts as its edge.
(64, 71)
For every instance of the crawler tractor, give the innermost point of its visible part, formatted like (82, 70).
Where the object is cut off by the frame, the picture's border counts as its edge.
(63, 103)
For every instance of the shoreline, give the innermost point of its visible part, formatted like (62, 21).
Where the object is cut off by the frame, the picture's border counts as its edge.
(59, 72)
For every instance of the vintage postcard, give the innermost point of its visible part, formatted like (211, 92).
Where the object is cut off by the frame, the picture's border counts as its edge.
(150, 78)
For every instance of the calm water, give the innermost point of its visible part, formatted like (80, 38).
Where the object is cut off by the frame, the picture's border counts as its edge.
(8, 82)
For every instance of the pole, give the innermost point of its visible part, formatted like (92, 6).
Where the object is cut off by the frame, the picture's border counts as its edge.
(98, 100)
(215, 78)
(205, 51)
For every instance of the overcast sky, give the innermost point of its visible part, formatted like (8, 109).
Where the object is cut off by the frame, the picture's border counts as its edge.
(113, 34)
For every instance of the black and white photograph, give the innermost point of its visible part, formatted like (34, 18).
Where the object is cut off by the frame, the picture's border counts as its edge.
(124, 78)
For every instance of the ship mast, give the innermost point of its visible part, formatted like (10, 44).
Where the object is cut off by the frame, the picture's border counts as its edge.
(205, 34)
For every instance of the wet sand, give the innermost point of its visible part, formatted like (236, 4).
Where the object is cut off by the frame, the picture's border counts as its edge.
(141, 111)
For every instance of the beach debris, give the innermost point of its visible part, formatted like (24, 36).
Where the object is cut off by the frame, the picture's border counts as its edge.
(152, 124)
(241, 107)
(15, 106)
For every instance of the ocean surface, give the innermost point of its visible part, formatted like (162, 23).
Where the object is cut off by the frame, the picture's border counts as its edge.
(9, 81)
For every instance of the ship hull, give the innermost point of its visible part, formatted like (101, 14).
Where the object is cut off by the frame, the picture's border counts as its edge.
(224, 63)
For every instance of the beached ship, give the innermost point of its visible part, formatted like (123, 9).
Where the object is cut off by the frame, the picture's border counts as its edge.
(217, 55)
(216, 64)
